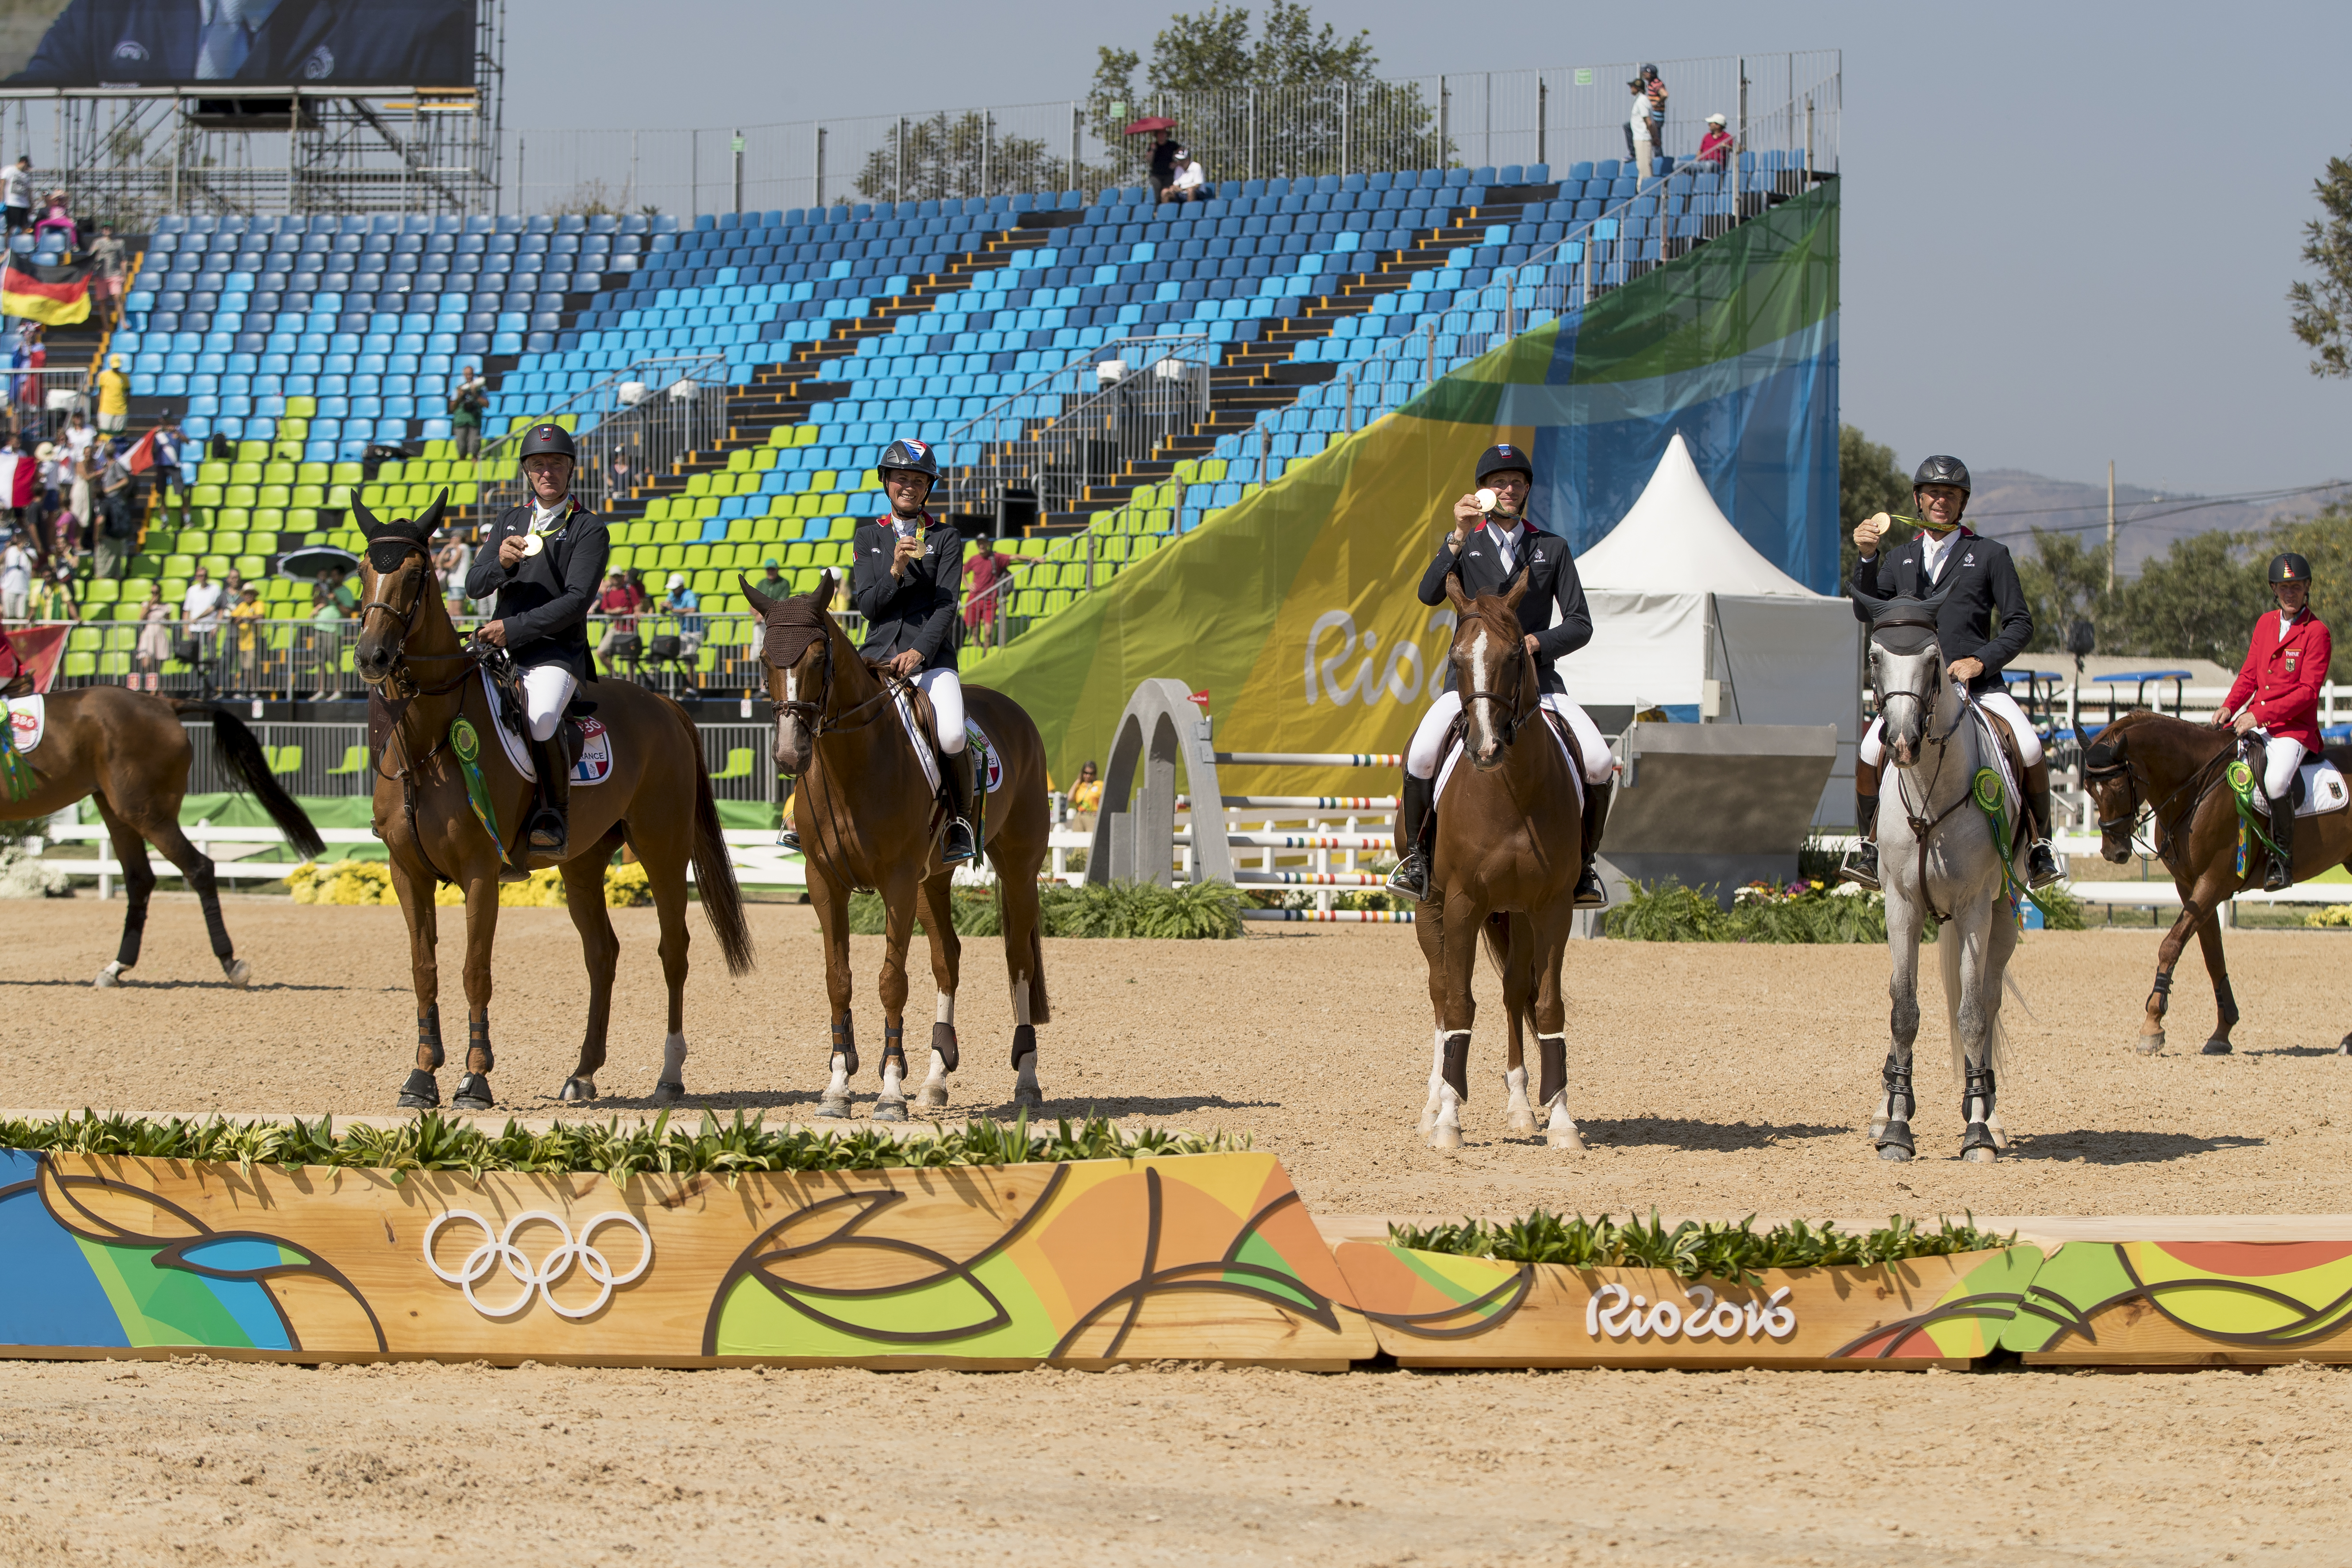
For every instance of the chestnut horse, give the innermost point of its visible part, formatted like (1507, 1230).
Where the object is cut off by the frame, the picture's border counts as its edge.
(128, 752)
(656, 800)
(1509, 846)
(863, 810)
(2174, 775)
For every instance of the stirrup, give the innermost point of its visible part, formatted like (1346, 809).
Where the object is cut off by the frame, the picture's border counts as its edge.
(955, 843)
(2041, 865)
(788, 840)
(1591, 893)
(1860, 866)
(549, 833)
(1411, 876)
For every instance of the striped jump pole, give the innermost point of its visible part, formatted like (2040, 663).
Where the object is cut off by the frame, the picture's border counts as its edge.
(1312, 759)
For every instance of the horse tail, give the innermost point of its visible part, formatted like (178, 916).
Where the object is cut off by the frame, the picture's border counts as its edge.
(714, 871)
(250, 766)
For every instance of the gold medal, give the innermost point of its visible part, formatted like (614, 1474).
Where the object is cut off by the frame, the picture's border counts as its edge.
(1486, 500)
(534, 544)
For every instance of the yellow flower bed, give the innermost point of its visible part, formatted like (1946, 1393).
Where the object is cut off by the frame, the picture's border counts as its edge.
(2333, 915)
(369, 882)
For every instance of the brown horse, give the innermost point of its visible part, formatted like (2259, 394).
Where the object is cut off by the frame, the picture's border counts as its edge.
(2174, 774)
(1510, 847)
(129, 752)
(656, 800)
(863, 810)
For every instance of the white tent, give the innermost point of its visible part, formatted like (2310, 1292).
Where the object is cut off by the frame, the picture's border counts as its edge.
(1688, 613)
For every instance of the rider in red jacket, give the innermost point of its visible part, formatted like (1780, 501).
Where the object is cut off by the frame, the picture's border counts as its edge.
(2277, 693)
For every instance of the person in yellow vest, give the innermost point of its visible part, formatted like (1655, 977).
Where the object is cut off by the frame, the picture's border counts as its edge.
(113, 397)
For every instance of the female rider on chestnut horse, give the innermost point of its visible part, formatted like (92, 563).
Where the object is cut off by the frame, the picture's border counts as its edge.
(2277, 699)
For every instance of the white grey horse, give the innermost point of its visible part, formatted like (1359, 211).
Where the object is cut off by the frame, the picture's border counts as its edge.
(1936, 853)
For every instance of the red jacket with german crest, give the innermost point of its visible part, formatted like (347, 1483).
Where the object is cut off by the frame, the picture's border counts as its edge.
(2283, 675)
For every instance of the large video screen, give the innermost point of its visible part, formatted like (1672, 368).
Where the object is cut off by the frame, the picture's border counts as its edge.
(240, 43)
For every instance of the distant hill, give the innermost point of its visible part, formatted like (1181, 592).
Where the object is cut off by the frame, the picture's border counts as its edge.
(2009, 504)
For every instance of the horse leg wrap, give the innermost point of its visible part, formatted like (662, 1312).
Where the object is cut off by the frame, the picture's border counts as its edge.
(845, 1045)
(1551, 1060)
(2226, 1003)
(1457, 1064)
(894, 1049)
(420, 1092)
(1975, 1109)
(1024, 1042)
(429, 1054)
(2159, 994)
(892, 1105)
(1895, 1078)
(473, 1088)
(943, 1041)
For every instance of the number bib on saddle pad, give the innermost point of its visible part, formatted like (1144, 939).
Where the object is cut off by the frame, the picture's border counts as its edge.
(2323, 791)
(992, 765)
(595, 765)
(28, 721)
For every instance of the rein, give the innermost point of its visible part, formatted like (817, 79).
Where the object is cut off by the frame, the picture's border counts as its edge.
(1922, 826)
(2135, 810)
(819, 724)
(400, 688)
(1518, 715)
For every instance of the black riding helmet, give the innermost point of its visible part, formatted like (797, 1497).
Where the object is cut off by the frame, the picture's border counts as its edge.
(1504, 455)
(914, 457)
(1943, 471)
(546, 439)
(2290, 568)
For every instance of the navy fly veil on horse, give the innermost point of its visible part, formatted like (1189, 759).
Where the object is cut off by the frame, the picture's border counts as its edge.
(792, 624)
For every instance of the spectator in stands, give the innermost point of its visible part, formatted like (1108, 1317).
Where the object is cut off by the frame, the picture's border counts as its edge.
(641, 598)
(773, 586)
(331, 579)
(1653, 88)
(110, 258)
(1087, 794)
(154, 637)
(618, 481)
(200, 607)
(45, 498)
(166, 472)
(16, 197)
(16, 575)
(79, 435)
(24, 496)
(115, 486)
(449, 563)
(12, 457)
(981, 574)
(1715, 147)
(1639, 146)
(1164, 153)
(53, 596)
(246, 618)
(113, 397)
(325, 617)
(59, 216)
(30, 354)
(466, 401)
(1190, 183)
(619, 605)
(683, 602)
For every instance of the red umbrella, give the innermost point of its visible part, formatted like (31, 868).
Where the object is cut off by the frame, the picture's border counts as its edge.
(1151, 123)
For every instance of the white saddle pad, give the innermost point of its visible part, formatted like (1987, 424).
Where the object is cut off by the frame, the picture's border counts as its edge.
(1453, 755)
(28, 721)
(992, 765)
(2324, 790)
(595, 763)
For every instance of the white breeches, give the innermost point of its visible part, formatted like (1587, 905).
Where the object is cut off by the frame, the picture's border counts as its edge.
(946, 693)
(1421, 758)
(2000, 704)
(2279, 760)
(546, 689)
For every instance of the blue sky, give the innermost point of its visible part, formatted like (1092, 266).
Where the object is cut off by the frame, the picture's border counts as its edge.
(2069, 229)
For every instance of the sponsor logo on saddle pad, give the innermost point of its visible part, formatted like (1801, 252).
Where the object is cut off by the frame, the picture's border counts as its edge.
(28, 721)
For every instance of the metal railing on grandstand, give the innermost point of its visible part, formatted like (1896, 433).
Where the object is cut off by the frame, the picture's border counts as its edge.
(649, 416)
(1079, 424)
(1555, 115)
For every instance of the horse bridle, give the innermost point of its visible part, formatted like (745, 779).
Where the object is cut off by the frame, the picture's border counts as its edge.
(811, 713)
(398, 680)
(1921, 826)
(2135, 809)
(1518, 715)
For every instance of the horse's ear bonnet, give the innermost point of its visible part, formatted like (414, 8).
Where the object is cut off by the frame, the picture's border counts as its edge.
(793, 624)
(389, 543)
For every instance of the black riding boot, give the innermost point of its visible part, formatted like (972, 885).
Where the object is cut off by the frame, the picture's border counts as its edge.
(1861, 864)
(788, 838)
(1414, 818)
(550, 826)
(2281, 874)
(955, 843)
(1591, 893)
(2040, 859)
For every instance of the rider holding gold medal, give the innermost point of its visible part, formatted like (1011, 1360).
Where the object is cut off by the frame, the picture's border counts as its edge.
(1982, 624)
(543, 560)
(1490, 547)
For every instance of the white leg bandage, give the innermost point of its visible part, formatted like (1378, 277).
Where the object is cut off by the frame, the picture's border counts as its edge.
(546, 689)
(2279, 760)
(1421, 757)
(946, 693)
(2002, 706)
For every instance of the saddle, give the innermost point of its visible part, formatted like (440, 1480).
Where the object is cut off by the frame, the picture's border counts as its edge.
(1455, 731)
(927, 740)
(2022, 830)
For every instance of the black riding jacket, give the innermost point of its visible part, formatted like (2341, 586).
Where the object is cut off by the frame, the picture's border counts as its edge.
(1985, 617)
(917, 610)
(1543, 558)
(545, 600)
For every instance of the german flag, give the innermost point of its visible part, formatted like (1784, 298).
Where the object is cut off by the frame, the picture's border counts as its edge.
(54, 296)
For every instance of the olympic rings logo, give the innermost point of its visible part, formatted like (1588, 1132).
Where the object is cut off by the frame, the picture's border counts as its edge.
(499, 1248)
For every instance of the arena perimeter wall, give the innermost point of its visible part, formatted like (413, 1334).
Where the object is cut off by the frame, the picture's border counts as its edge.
(1296, 611)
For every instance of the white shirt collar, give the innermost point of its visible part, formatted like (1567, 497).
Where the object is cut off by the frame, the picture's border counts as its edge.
(543, 518)
(2287, 622)
(1934, 547)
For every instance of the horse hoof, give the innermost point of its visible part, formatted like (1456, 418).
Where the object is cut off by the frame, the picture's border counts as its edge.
(1895, 1152)
(1028, 1100)
(2216, 1046)
(1445, 1138)
(1568, 1140)
(2343, 1047)
(832, 1109)
(108, 978)
(1523, 1127)
(2150, 1045)
(934, 1096)
(1983, 1154)
(1428, 1122)
(669, 1092)
(576, 1090)
(890, 1110)
(473, 1094)
(240, 974)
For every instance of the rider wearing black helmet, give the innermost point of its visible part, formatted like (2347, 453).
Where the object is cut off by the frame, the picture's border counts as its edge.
(543, 560)
(905, 582)
(1983, 622)
(2275, 700)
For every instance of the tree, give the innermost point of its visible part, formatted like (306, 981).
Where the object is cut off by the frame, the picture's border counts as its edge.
(2065, 580)
(1297, 99)
(938, 157)
(1869, 482)
(2199, 600)
(2321, 309)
